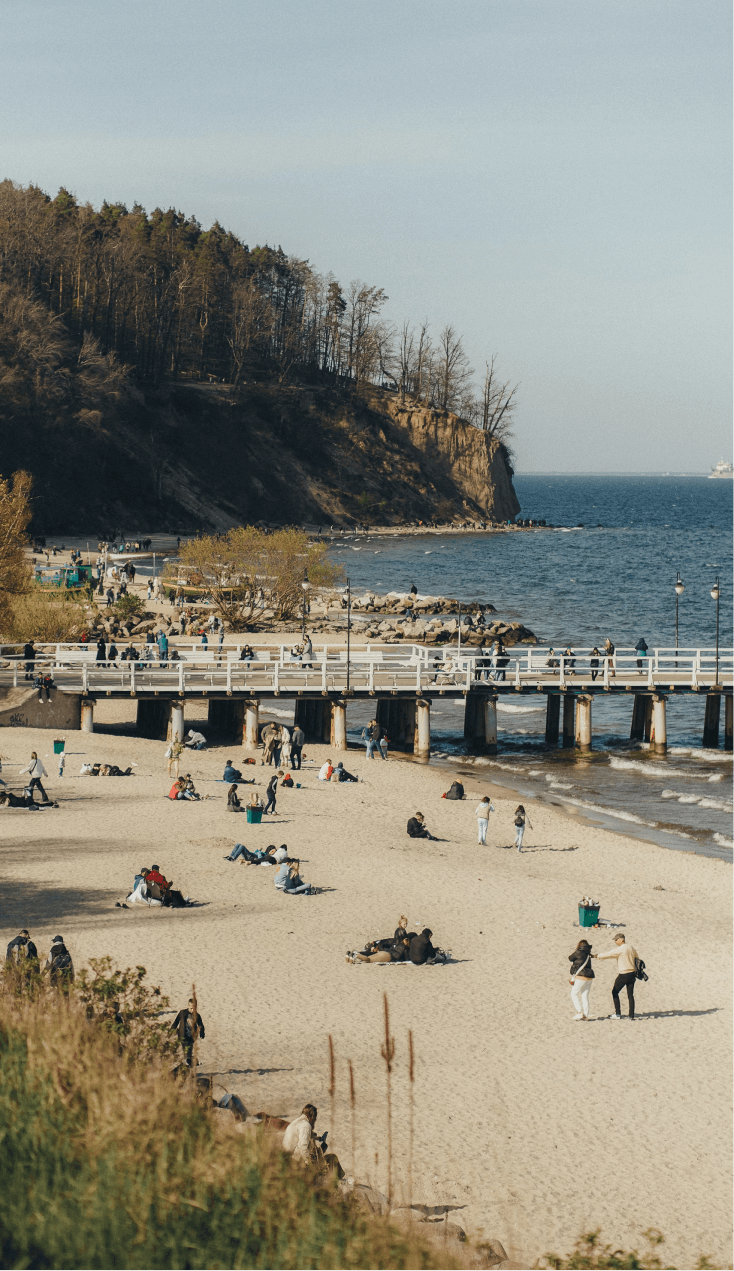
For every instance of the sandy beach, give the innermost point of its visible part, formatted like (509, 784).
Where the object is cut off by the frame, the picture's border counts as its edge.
(534, 1126)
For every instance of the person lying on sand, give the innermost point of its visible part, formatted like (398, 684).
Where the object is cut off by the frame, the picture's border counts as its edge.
(417, 828)
(10, 800)
(399, 951)
(241, 853)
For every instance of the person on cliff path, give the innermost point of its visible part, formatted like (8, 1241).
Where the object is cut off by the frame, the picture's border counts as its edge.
(482, 812)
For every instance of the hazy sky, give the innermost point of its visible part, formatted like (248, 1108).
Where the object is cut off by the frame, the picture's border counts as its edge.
(551, 176)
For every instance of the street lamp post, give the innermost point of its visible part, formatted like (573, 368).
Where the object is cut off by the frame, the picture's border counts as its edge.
(679, 589)
(305, 585)
(349, 625)
(715, 594)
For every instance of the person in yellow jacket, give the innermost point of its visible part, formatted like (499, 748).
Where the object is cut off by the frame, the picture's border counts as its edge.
(626, 973)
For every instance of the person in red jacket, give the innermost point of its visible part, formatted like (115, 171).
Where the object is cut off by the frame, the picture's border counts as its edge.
(154, 876)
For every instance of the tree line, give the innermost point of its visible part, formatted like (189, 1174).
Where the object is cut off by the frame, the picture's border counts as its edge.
(174, 300)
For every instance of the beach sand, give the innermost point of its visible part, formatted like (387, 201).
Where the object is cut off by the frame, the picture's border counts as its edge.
(535, 1127)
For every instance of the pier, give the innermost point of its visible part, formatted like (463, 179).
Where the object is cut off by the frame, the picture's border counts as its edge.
(402, 680)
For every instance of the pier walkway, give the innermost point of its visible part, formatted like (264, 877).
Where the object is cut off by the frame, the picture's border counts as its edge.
(403, 678)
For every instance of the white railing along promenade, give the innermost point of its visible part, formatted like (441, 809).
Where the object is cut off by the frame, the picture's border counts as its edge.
(190, 668)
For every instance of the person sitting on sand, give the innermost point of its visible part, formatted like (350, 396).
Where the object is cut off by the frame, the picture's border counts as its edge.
(189, 789)
(287, 781)
(177, 789)
(455, 791)
(421, 948)
(289, 880)
(304, 1145)
(417, 828)
(231, 773)
(241, 853)
(325, 771)
(233, 803)
(195, 741)
(340, 774)
(154, 879)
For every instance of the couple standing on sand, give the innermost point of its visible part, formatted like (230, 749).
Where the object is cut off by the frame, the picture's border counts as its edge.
(482, 812)
(629, 968)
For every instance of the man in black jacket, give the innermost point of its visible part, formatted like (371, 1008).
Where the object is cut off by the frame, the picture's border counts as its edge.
(417, 828)
(21, 948)
(297, 743)
(188, 1030)
(421, 948)
(375, 734)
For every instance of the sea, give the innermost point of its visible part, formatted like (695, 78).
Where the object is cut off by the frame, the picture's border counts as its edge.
(607, 567)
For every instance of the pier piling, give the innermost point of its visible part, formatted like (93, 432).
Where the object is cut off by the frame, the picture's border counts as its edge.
(583, 722)
(422, 745)
(711, 721)
(338, 728)
(659, 734)
(87, 724)
(569, 713)
(728, 713)
(552, 719)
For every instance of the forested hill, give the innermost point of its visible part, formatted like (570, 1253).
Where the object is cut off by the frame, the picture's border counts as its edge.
(152, 369)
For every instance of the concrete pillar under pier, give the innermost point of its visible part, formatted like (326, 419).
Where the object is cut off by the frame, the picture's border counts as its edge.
(490, 725)
(569, 708)
(583, 722)
(338, 730)
(251, 724)
(659, 733)
(552, 719)
(480, 722)
(711, 721)
(153, 717)
(87, 722)
(728, 720)
(397, 716)
(422, 745)
(176, 726)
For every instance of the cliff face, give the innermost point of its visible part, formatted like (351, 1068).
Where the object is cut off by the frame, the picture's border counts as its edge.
(471, 459)
(199, 455)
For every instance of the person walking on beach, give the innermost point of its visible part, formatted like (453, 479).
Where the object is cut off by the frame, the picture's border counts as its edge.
(581, 977)
(482, 812)
(271, 792)
(189, 1028)
(626, 974)
(298, 739)
(375, 737)
(521, 818)
(36, 770)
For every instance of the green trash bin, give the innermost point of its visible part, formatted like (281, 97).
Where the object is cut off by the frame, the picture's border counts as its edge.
(588, 915)
(59, 747)
(254, 815)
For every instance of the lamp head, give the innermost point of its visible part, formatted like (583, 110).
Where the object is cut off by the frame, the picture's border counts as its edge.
(305, 584)
(679, 588)
(715, 593)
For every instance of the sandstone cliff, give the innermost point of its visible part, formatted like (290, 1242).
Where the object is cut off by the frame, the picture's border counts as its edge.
(196, 455)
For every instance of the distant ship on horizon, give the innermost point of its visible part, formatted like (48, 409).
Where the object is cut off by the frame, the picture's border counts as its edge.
(722, 470)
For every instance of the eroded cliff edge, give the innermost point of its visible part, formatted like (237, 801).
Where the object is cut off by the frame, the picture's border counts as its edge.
(194, 455)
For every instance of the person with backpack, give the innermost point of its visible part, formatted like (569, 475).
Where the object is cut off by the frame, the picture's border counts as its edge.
(627, 971)
(59, 965)
(581, 977)
(521, 818)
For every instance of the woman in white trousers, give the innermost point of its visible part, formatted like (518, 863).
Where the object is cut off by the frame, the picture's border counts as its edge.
(581, 977)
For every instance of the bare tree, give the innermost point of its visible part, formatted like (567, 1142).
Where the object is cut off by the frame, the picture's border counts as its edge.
(493, 411)
(451, 372)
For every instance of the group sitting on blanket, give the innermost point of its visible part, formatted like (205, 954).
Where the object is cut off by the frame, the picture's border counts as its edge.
(105, 770)
(151, 887)
(404, 946)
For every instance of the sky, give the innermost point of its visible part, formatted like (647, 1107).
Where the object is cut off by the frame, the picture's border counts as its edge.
(552, 177)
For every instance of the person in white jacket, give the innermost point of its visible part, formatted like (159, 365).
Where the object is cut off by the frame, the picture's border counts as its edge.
(299, 1139)
(482, 814)
(36, 770)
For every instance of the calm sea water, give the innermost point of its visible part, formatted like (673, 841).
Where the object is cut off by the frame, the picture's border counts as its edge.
(613, 576)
